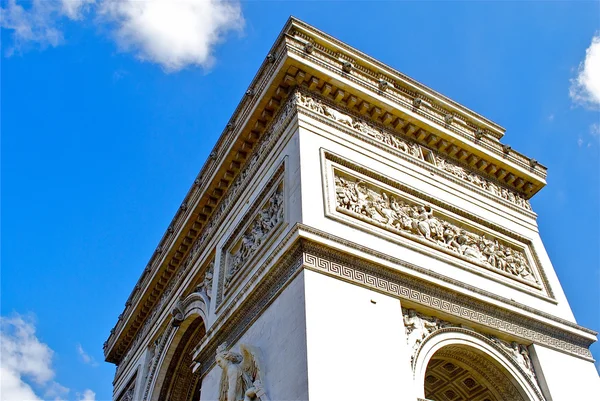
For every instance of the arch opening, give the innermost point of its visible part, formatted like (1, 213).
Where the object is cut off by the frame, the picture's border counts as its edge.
(458, 364)
(180, 383)
(463, 373)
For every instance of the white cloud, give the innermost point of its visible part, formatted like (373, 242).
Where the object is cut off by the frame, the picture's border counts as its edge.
(174, 34)
(585, 88)
(87, 395)
(74, 9)
(33, 25)
(24, 358)
(56, 391)
(85, 357)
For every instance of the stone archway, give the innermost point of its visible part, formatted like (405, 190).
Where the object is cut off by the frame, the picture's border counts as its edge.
(456, 364)
(460, 373)
(181, 383)
(174, 379)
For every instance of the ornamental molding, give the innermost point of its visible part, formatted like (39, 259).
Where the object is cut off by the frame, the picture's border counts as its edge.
(157, 350)
(398, 143)
(418, 292)
(313, 234)
(363, 198)
(384, 82)
(254, 232)
(129, 392)
(419, 327)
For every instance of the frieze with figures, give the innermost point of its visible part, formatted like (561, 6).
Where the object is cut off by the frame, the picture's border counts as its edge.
(265, 221)
(356, 198)
(410, 148)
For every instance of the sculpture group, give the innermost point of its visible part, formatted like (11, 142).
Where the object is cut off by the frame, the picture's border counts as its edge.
(242, 374)
(356, 198)
(411, 149)
(262, 225)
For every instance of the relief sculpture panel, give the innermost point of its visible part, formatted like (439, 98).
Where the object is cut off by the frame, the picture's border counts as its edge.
(262, 220)
(419, 221)
(265, 221)
(410, 148)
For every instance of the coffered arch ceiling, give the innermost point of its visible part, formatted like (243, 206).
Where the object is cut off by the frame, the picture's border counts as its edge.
(462, 373)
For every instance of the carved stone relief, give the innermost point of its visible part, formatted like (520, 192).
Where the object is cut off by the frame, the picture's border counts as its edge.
(257, 232)
(518, 352)
(242, 374)
(419, 326)
(410, 148)
(358, 199)
(207, 282)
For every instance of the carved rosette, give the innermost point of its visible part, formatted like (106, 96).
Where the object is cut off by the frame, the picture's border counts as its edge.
(364, 201)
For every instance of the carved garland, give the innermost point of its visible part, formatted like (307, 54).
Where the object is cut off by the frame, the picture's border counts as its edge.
(392, 140)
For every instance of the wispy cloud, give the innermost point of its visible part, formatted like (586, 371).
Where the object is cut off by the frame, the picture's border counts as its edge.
(85, 357)
(87, 395)
(585, 88)
(38, 24)
(25, 358)
(173, 34)
(595, 130)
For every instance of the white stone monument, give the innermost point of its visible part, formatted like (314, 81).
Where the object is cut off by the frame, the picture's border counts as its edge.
(354, 235)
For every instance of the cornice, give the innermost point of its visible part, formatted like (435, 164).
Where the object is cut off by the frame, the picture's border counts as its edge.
(446, 133)
(379, 70)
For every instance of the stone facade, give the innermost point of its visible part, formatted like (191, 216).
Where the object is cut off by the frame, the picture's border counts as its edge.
(354, 235)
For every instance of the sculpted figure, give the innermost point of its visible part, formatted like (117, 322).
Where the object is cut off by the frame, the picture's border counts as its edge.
(208, 280)
(337, 116)
(242, 375)
(415, 332)
(424, 220)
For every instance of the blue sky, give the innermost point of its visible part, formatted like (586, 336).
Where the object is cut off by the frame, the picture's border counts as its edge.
(107, 115)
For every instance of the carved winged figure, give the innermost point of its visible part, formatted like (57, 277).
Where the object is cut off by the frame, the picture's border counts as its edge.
(241, 379)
